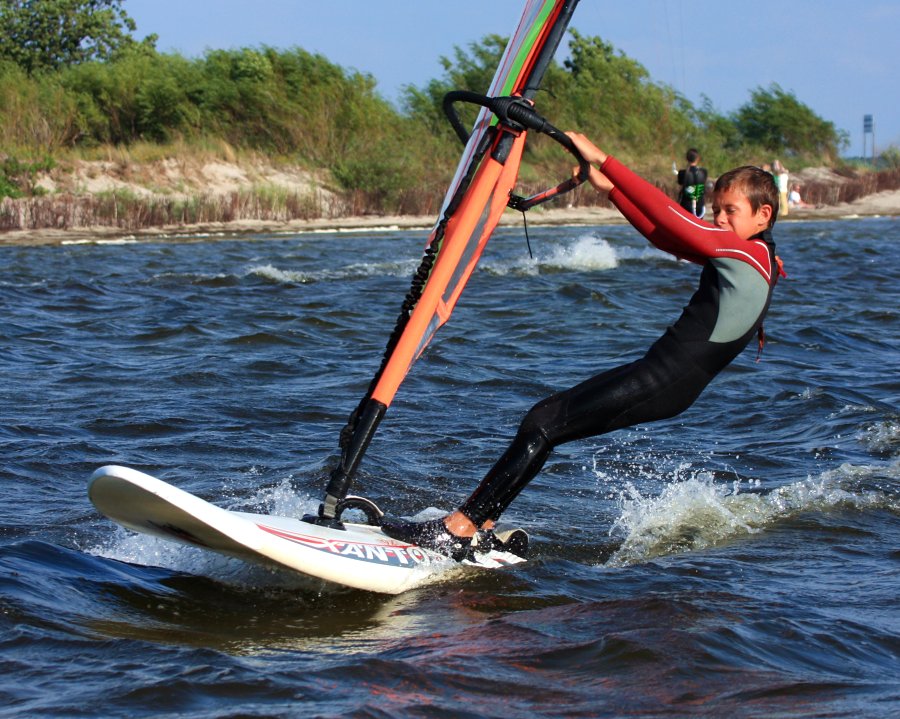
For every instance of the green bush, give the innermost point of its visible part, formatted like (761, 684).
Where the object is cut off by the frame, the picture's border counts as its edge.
(17, 178)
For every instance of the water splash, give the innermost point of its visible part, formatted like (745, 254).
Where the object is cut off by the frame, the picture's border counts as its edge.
(585, 253)
(697, 513)
(280, 499)
(883, 437)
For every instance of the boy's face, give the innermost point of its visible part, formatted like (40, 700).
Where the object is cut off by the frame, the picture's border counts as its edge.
(732, 211)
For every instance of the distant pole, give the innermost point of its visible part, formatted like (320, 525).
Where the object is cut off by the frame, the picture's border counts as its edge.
(868, 129)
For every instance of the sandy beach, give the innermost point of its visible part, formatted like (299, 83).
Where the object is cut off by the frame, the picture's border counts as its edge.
(882, 204)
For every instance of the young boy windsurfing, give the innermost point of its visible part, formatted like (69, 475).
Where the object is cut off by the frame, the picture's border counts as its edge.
(726, 311)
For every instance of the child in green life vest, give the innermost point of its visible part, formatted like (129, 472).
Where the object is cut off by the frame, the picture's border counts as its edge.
(692, 181)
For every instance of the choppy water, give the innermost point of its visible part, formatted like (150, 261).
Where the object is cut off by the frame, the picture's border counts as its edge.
(741, 560)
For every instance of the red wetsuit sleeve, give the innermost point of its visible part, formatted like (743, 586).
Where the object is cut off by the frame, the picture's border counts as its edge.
(645, 226)
(656, 234)
(672, 229)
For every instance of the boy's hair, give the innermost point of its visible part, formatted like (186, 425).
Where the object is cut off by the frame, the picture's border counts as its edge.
(757, 185)
(692, 155)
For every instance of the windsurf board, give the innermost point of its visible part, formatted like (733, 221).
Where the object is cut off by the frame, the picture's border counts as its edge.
(360, 556)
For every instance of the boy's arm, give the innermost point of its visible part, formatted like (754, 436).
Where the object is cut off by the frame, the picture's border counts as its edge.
(664, 223)
(658, 236)
(643, 224)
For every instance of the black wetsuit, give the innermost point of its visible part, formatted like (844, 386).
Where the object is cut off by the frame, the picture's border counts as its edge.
(723, 315)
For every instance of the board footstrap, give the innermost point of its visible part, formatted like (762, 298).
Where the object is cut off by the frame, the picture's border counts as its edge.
(512, 540)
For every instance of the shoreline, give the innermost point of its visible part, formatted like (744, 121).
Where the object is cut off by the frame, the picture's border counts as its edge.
(881, 204)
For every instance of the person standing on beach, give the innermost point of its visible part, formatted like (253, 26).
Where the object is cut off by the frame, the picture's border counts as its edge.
(740, 269)
(692, 184)
(782, 178)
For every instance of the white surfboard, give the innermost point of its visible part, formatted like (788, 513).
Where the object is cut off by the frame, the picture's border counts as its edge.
(359, 555)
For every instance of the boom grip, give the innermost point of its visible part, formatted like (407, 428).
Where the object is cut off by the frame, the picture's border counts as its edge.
(516, 110)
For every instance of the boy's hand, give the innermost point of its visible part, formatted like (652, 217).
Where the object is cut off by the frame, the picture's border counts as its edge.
(589, 151)
(594, 155)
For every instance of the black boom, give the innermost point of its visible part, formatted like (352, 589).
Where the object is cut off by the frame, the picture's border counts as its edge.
(517, 114)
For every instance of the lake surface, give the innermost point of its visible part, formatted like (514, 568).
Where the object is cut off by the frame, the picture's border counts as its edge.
(740, 560)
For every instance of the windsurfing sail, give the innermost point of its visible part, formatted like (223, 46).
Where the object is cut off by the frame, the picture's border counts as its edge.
(476, 198)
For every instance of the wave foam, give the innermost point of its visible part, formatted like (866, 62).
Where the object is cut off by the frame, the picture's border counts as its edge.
(271, 273)
(698, 513)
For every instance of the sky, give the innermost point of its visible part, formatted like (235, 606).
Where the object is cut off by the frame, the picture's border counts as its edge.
(840, 59)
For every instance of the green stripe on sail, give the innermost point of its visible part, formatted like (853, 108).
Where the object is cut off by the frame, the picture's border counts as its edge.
(530, 39)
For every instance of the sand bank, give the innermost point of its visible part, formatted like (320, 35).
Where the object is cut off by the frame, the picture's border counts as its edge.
(879, 204)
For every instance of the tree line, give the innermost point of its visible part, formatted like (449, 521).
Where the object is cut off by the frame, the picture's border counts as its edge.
(74, 79)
